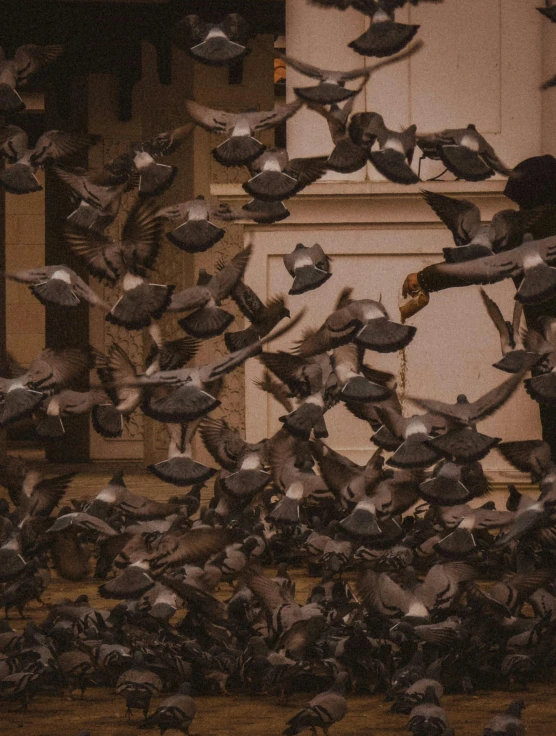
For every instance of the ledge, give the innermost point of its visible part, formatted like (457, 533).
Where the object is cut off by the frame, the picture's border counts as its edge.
(365, 189)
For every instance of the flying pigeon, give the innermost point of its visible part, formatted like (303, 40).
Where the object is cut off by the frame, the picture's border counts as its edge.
(240, 147)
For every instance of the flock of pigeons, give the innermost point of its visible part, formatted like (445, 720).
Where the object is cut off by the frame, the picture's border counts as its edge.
(396, 548)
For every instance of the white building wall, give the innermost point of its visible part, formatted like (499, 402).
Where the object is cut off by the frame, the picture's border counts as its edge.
(482, 62)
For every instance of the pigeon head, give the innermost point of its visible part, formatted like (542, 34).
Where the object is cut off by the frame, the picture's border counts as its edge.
(462, 399)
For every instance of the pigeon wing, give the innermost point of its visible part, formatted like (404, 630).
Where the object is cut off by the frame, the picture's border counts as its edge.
(460, 216)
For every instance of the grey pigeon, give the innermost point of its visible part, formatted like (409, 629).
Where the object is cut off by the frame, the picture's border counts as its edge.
(310, 268)
(215, 44)
(240, 147)
(27, 61)
(53, 145)
(395, 153)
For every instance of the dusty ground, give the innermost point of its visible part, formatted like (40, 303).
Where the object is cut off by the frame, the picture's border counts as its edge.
(103, 713)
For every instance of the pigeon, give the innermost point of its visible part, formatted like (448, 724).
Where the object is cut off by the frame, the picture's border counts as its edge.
(127, 261)
(473, 239)
(529, 263)
(463, 442)
(323, 711)
(464, 152)
(428, 718)
(240, 147)
(256, 210)
(180, 469)
(508, 723)
(189, 398)
(58, 285)
(263, 317)
(206, 318)
(113, 369)
(310, 267)
(453, 484)
(540, 342)
(244, 460)
(68, 403)
(395, 153)
(347, 156)
(365, 321)
(196, 234)
(99, 193)
(49, 370)
(138, 685)
(276, 177)
(514, 359)
(331, 87)
(27, 61)
(53, 145)
(463, 520)
(350, 481)
(409, 437)
(175, 712)
(215, 44)
(384, 36)
(437, 592)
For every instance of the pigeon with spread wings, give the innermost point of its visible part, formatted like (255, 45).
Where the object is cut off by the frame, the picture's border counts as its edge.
(472, 238)
(244, 460)
(463, 443)
(49, 371)
(206, 318)
(464, 152)
(99, 193)
(331, 87)
(58, 285)
(127, 261)
(263, 317)
(215, 44)
(53, 145)
(190, 398)
(277, 177)
(196, 232)
(395, 153)
(364, 321)
(241, 146)
(27, 61)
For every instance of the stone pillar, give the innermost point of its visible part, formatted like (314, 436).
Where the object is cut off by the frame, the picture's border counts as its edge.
(319, 36)
(64, 327)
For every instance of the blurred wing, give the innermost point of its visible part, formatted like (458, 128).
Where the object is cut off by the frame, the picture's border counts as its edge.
(224, 280)
(494, 399)
(28, 59)
(55, 144)
(270, 118)
(496, 316)
(142, 233)
(455, 214)
(93, 247)
(307, 170)
(248, 302)
(222, 442)
(218, 121)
